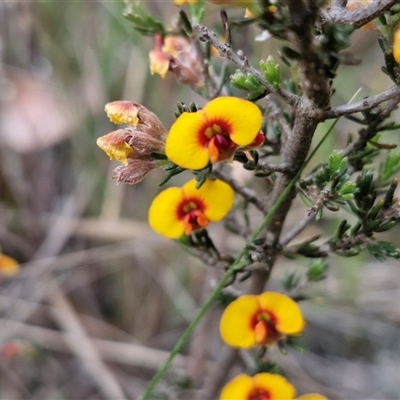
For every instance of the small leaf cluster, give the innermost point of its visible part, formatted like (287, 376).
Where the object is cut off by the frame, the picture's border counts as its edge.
(389, 167)
(143, 22)
(334, 172)
(247, 81)
(374, 216)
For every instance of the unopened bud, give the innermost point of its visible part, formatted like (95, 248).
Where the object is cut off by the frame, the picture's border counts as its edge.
(135, 171)
(177, 55)
(115, 145)
(123, 112)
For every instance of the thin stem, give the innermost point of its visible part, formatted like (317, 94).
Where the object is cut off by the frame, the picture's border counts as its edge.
(242, 62)
(185, 336)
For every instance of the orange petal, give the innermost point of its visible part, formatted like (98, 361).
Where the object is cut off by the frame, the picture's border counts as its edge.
(289, 319)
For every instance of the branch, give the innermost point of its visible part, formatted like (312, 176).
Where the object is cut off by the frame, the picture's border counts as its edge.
(245, 192)
(266, 167)
(365, 104)
(275, 113)
(242, 62)
(359, 17)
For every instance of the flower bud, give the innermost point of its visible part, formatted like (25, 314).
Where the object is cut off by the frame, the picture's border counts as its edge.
(135, 170)
(120, 144)
(133, 146)
(131, 113)
(177, 55)
(123, 112)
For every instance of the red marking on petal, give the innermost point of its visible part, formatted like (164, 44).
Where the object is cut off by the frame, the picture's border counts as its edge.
(223, 127)
(221, 148)
(259, 394)
(263, 324)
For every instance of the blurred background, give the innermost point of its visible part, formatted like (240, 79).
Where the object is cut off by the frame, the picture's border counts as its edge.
(100, 299)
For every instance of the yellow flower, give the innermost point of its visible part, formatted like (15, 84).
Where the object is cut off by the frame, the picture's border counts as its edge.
(263, 386)
(396, 45)
(260, 320)
(179, 210)
(8, 265)
(213, 133)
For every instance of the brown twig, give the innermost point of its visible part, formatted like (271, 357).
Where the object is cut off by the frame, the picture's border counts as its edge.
(366, 104)
(239, 59)
(245, 192)
(360, 17)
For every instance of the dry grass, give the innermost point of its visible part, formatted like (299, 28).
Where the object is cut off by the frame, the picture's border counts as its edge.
(101, 298)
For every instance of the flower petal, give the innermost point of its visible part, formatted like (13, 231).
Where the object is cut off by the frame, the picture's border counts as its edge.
(243, 117)
(8, 265)
(159, 62)
(123, 112)
(163, 213)
(276, 385)
(115, 146)
(183, 145)
(289, 319)
(217, 197)
(235, 326)
(238, 388)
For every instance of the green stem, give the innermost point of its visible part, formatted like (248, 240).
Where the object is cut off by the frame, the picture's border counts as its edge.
(185, 336)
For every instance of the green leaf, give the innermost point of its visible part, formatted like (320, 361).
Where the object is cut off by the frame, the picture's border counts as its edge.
(197, 11)
(291, 281)
(337, 164)
(317, 271)
(381, 250)
(389, 167)
(272, 72)
(238, 79)
(143, 22)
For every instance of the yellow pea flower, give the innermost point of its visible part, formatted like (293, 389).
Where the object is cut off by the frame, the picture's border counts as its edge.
(214, 132)
(260, 320)
(179, 210)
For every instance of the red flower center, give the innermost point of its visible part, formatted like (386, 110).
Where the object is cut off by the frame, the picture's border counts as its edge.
(191, 211)
(215, 136)
(264, 325)
(259, 394)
